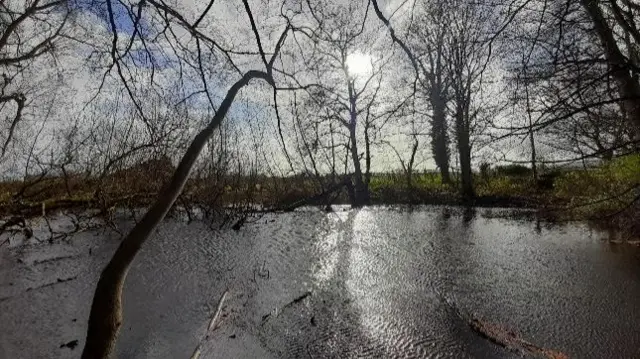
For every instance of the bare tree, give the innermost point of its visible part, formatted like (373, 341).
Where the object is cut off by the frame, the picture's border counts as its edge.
(466, 61)
(29, 32)
(428, 35)
(570, 84)
(346, 96)
(623, 68)
(106, 310)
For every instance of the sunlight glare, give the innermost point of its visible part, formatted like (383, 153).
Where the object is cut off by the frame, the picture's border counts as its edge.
(358, 64)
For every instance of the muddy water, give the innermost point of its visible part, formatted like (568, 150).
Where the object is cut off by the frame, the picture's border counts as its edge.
(383, 282)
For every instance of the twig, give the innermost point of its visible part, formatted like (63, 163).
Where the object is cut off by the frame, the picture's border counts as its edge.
(296, 300)
(214, 320)
(211, 328)
(58, 281)
(36, 262)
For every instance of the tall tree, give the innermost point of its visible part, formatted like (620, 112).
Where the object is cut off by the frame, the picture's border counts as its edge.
(468, 57)
(350, 78)
(428, 36)
(571, 83)
(623, 68)
(30, 32)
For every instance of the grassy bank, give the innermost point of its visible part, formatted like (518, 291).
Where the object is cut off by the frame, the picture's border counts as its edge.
(607, 193)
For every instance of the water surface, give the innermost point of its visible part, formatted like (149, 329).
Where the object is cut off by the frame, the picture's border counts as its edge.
(384, 282)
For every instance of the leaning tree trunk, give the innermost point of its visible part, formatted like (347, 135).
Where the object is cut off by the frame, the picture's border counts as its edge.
(105, 318)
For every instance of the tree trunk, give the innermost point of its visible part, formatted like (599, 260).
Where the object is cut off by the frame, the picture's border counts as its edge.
(333, 154)
(105, 318)
(367, 156)
(465, 168)
(361, 190)
(412, 159)
(534, 167)
(629, 86)
(439, 137)
(464, 148)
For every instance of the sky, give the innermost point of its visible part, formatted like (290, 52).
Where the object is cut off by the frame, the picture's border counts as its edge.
(175, 78)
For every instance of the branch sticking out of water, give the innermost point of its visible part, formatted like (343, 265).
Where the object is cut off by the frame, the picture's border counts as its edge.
(296, 300)
(216, 316)
(213, 325)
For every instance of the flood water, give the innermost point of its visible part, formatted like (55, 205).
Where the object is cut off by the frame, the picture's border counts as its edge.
(383, 283)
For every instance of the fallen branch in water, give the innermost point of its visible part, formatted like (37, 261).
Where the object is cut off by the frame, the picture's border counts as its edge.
(10, 224)
(305, 201)
(501, 336)
(510, 340)
(213, 325)
(298, 299)
(214, 320)
(71, 345)
(58, 281)
(53, 259)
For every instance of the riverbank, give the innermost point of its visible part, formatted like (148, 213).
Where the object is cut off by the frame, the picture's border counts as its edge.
(607, 195)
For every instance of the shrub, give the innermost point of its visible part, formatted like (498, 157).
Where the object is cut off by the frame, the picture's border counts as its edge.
(485, 167)
(601, 190)
(513, 170)
(504, 186)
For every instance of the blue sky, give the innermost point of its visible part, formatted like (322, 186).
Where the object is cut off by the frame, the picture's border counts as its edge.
(124, 22)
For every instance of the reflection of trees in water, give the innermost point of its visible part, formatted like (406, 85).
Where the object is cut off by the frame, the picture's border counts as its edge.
(443, 219)
(468, 215)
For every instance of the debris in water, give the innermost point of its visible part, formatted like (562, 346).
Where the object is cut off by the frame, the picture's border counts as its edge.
(53, 259)
(502, 336)
(214, 320)
(59, 280)
(510, 340)
(213, 325)
(71, 345)
(298, 299)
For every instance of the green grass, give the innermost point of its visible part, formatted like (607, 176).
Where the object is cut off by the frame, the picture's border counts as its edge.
(602, 190)
(506, 186)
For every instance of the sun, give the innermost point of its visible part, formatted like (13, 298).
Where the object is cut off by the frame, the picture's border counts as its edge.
(358, 64)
